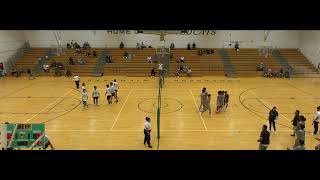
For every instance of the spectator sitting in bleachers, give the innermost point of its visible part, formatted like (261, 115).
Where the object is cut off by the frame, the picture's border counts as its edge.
(181, 59)
(121, 45)
(88, 53)
(45, 68)
(72, 45)
(178, 71)
(53, 63)
(193, 45)
(78, 50)
(71, 62)
(13, 71)
(172, 46)
(236, 47)
(260, 67)
(94, 53)
(68, 46)
(287, 73)
(281, 72)
(153, 72)
(86, 45)
(138, 46)
(142, 46)
(199, 52)
(149, 59)
(189, 46)
(82, 61)
(189, 72)
(2, 73)
(125, 55)
(319, 67)
(77, 45)
(108, 59)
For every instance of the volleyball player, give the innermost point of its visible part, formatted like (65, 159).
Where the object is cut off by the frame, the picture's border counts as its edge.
(316, 121)
(147, 132)
(76, 79)
(84, 98)
(220, 101)
(112, 90)
(226, 100)
(108, 94)
(116, 87)
(273, 116)
(295, 122)
(203, 98)
(83, 86)
(95, 95)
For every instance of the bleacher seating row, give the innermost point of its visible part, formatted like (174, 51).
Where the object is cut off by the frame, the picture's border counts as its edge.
(244, 62)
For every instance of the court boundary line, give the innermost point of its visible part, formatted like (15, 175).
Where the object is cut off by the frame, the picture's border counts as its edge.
(173, 130)
(267, 104)
(114, 122)
(204, 124)
(29, 119)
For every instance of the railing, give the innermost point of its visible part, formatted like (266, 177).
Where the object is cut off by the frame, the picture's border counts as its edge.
(102, 61)
(283, 62)
(228, 68)
(12, 60)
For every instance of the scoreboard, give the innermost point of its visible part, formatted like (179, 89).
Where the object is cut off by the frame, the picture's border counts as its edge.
(23, 135)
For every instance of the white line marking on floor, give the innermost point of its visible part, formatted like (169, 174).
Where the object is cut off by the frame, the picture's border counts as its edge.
(197, 108)
(121, 110)
(48, 106)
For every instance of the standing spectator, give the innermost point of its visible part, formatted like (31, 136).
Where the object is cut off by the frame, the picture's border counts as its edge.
(121, 45)
(264, 138)
(147, 132)
(172, 46)
(72, 44)
(193, 45)
(273, 115)
(68, 73)
(76, 79)
(316, 121)
(138, 46)
(71, 62)
(295, 122)
(189, 46)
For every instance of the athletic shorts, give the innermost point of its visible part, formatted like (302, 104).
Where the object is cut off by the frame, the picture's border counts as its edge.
(108, 98)
(113, 94)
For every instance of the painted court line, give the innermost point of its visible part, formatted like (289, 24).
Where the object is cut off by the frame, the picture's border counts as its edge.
(48, 106)
(129, 130)
(197, 108)
(121, 110)
(268, 104)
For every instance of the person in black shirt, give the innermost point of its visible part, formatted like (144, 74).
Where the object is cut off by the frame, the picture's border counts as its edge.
(194, 46)
(121, 45)
(295, 122)
(172, 46)
(226, 100)
(189, 46)
(273, 115)
(264, 138)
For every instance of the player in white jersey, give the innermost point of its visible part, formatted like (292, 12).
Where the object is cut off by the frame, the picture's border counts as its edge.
(112, 90)
(95, 95)
(76, 79)
(116, 88)
(108, 94)
(83, 86)
(84, 98)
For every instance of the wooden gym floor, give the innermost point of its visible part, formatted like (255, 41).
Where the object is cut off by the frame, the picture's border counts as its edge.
(56, 102)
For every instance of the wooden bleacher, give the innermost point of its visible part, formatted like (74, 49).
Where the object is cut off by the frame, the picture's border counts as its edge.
(30, 59)
(81, 70)
(137, 66)
(244, 62)
(301, 65)
(203, 65)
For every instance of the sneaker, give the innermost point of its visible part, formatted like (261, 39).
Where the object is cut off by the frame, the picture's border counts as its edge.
(150, 146)
(292, 135)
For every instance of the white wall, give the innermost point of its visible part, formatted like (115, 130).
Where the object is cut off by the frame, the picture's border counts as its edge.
(310, 45)
(284, 39)
(10, 41)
